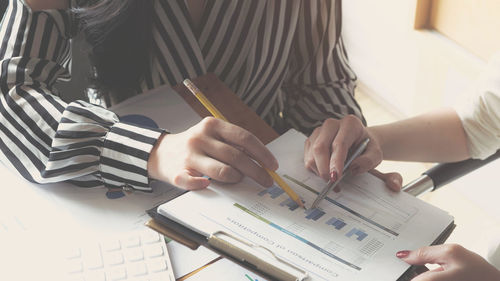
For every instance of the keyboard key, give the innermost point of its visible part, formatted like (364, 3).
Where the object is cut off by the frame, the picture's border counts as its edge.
(117, 273)
(150, 237)
(92, 258)
(132, 242)
(139, 256)
(154, 251)
(74, 266)
(163, 276)
(157, 265)
(134, 254)
(137, 269)
(113, 258)
(95, 276)
(111, 245)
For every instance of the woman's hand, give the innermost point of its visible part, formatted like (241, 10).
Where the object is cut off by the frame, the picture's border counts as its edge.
(214, 148)
(457, 264)
(326, 150)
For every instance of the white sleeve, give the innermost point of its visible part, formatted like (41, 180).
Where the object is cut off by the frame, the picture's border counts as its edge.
(481, 116)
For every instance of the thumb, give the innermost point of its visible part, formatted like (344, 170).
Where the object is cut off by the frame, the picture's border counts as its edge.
(191, 180)
(393, 181)
(431, 254)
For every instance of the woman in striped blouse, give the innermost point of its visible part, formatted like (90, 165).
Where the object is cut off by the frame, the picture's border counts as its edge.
(284, 59)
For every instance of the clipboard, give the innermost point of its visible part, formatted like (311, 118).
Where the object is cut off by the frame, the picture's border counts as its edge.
(241, 115)
(226, 248)
(193, 240)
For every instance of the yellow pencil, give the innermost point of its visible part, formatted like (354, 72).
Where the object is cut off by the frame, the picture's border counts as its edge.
(216, 113)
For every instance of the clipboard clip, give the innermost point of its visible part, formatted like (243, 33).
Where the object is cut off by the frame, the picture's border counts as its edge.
(272, 269)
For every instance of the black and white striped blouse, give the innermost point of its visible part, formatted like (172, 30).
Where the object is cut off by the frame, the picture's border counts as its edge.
(282, 58)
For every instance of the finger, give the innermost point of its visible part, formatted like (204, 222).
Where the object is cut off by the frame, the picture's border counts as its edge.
(247, 142)
(322, 147)
(191, 180)
(309, 162)
(438, 274)
(215, 169)
(431, 254)
(394, 181)
(238, 160)
(368, 160)
(350, 132)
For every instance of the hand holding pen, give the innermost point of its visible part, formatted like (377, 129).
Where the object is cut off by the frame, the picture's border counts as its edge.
(332, 184)
(326, 149)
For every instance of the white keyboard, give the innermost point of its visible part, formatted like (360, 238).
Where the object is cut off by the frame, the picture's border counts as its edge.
(138, 256)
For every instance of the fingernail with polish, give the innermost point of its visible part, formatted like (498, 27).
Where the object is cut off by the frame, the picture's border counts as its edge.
(402, 254)
(333, 176)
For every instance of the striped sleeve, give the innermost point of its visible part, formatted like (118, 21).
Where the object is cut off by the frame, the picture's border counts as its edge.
(320, 83)
(42, 137)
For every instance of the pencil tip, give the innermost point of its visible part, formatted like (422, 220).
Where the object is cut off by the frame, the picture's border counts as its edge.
(301, 204)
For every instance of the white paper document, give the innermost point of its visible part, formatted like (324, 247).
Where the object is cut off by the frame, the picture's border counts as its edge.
(352, 235)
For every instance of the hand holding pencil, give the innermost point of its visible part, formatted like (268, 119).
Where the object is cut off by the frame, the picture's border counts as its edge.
(212, 148)
(217, 114)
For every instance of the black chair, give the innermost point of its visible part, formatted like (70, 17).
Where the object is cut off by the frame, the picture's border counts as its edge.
(444, 173)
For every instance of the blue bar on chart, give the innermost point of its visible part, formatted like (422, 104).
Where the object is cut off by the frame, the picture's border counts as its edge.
(274, 191)
(314, 214)
(292, 205)
(338, 224)
(361, 235)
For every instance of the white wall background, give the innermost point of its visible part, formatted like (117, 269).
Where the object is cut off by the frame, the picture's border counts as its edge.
(410, 70)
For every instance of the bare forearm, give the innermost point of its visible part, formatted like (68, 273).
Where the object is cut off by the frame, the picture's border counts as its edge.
(432, 137)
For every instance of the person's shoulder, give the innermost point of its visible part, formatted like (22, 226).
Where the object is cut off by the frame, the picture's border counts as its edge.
(38, 5)
(490, 79)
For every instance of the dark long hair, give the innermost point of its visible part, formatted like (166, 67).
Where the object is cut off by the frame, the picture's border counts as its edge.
(119, 33)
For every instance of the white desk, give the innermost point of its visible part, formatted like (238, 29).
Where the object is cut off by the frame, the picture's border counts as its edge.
(63, 213)
(54, 214)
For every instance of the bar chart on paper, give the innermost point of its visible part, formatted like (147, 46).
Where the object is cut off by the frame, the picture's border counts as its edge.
(350, 235)
(359, 202)
(357, 222)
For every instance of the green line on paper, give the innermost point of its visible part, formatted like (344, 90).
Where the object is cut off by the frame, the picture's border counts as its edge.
(249, 278)
(251, 213)
(299, 238)
(300, 184)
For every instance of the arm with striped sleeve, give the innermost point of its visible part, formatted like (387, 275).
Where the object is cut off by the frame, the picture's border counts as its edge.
(42, 137)
(320, 83)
